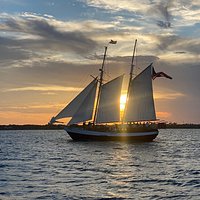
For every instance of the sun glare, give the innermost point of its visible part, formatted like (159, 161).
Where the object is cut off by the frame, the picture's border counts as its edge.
(122, 102)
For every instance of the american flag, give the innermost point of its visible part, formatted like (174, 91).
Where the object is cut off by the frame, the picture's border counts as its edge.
(159, 74)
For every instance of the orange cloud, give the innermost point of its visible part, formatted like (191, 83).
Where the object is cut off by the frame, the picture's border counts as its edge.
(162, 115)
(45, 88)
(168, 95)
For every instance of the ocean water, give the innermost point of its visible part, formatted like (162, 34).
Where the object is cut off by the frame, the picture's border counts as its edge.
(49, 165)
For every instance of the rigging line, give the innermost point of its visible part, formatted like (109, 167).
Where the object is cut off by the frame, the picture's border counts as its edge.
(106, 74)
(107, 69)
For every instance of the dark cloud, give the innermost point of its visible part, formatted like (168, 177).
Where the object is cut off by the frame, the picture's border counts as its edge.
(47, 73)
(10, 50)
(13, 25)
(167, 41)
(163, 9)
(178, 44)
(75, 41)
(180, 52)
(162, 13)
(163, 24)
(67, 73)
(48, 36)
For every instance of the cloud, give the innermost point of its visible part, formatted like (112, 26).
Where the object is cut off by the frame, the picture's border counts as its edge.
(46, 35)
(33, 108)
(186, 12)
(165, 14)
(10, 49)
(168, 96)
(161, 13)
(163, 115)
(180, 52)
(44, 88)
(118, 5)
(164, 24)
(175, 43)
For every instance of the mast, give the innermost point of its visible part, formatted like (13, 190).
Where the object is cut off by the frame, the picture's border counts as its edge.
(132, 65)
(130, 79)
(100, 84)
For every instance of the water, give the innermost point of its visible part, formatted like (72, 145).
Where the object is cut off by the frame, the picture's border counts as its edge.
(49, 165)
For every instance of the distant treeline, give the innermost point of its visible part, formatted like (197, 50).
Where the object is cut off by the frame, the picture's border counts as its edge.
(60, 127)
(31, 127)
(182, 126)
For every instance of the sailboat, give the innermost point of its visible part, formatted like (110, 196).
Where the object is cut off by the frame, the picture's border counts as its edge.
(95, 112)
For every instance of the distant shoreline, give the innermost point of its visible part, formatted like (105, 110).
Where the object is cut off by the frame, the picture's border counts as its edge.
(31, 127)
(61, 127)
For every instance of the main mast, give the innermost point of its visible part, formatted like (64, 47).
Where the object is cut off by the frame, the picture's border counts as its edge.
(130, 78)
(100, 84)
(101, 80)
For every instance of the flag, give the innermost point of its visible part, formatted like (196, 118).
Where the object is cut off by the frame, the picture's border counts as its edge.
(113, 42)
(160, 74)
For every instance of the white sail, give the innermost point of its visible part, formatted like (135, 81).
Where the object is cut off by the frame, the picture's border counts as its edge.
(85, 110)
(74, 105)
(109, 103)
(140, 105)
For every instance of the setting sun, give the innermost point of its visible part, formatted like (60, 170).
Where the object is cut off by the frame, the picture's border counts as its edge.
(122, 102)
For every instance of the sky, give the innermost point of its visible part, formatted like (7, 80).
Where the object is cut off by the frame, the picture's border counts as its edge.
(49, 49)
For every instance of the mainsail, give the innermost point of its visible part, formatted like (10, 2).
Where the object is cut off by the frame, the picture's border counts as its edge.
(74, 107)
(109, 103)
(140, 105)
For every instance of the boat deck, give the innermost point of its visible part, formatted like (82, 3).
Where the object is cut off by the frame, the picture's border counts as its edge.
(125, 128)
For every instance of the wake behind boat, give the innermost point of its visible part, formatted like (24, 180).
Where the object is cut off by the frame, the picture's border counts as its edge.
(95, 112)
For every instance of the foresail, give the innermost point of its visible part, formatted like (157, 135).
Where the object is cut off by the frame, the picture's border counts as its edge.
(85, 110)
(109, 104)
(140, 105)
(75, 104)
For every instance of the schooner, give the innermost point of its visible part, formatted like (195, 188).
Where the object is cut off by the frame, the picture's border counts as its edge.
(95, 112)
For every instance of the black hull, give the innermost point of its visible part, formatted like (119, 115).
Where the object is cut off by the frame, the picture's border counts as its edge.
(85, 137)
